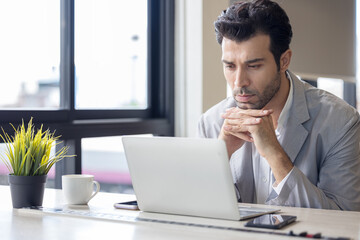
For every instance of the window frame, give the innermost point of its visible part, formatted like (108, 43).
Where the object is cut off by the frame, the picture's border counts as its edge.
(73, 124)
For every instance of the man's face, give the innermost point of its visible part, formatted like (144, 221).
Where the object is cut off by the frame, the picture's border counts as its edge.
(251, 71)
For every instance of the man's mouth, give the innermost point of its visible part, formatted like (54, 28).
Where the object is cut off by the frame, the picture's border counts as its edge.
(243, 98)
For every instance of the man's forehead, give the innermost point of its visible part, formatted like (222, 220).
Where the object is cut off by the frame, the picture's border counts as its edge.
(257, 47)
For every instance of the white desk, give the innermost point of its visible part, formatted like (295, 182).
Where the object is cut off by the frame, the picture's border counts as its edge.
(16, 224)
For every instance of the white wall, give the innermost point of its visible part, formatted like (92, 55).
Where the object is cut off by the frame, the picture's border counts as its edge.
(324, 40)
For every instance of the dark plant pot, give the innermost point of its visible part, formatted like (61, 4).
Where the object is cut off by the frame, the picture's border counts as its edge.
(27, 191)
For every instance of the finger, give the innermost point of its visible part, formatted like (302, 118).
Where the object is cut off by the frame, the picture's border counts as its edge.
(241, 126)
(245, 121)
(238, 113)
(243, 135)
(235, 128)
(250, 111)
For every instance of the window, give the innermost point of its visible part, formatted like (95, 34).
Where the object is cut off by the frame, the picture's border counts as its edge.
(133, 64)
(113, 172)
(332, 85)
(111, 54)
(30, 54)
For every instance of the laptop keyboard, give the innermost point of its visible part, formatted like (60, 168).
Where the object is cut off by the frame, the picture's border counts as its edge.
(252, 211)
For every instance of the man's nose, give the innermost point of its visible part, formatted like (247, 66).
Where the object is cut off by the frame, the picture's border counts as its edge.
(241, 79)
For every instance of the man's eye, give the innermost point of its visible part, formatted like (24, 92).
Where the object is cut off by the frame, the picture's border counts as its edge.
(254, 66)
(229, 66)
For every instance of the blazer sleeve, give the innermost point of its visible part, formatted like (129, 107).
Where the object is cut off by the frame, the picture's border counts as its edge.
(201, 132)
(338, 185)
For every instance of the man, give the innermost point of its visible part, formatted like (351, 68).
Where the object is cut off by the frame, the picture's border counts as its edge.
(289, 143)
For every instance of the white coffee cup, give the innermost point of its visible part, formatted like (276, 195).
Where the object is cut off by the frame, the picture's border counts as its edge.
(79, 188)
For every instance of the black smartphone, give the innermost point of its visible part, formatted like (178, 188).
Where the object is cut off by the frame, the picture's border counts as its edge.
(273, 221)
(130, 205)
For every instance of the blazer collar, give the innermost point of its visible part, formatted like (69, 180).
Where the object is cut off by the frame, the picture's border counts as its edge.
(299, 108)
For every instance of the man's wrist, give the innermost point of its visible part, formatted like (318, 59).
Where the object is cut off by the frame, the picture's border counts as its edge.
(280, 165)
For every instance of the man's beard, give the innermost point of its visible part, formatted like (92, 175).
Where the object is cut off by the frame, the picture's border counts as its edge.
(270, 90)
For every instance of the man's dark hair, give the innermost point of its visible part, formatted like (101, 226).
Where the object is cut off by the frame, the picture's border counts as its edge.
(244, 20)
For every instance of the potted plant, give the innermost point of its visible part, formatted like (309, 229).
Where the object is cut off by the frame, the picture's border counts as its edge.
(28, 159)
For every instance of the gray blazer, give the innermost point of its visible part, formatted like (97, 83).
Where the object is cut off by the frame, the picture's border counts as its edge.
(322, 140)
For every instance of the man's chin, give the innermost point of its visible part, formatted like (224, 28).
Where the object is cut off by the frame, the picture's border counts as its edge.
(246, 106)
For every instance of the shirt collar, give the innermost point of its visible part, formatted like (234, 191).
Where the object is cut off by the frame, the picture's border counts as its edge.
(284, 115)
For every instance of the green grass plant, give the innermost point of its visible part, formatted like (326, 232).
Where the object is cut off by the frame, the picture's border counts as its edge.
(28, 153)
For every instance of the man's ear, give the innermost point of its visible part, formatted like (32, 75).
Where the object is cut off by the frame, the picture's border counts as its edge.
(285, 60)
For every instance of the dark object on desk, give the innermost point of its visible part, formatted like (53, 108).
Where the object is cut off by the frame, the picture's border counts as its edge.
(273, 221)
(305, 234)
(131, 205)
(27, 191)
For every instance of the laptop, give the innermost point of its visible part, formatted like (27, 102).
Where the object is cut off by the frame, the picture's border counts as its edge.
(184, 176)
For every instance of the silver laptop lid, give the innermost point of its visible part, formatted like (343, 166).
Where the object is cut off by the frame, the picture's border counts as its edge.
(183, 176)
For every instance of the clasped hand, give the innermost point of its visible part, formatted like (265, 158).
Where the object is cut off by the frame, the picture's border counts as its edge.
(255, 126)
(249, 125)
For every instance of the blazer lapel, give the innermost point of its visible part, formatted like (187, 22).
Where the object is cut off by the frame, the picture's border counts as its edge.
(296, 134)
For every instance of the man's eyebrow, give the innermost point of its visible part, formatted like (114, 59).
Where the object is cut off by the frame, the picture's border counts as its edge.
(227, 62)
(254, 60)
(247, 62)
